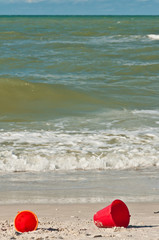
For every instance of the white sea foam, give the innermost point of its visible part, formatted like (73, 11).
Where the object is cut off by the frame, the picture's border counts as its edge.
(55, 150)
(115, 39)
(152, 113)
(153, 36)
(138, 63)
(110, 140)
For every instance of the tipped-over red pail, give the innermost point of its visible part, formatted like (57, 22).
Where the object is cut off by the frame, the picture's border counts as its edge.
(26, 221)
(114, 215)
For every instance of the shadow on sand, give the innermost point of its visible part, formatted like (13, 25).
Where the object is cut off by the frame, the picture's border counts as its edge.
(49, 229)
(143, 226)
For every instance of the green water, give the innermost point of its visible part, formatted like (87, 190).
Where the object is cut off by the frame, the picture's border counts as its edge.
(99, 63)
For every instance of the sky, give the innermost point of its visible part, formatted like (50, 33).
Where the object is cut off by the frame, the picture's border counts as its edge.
(79, 7)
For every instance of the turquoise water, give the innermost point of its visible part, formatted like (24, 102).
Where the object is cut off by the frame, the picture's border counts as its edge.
(79, 93)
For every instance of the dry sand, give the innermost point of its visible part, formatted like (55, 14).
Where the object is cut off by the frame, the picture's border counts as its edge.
(74, 221)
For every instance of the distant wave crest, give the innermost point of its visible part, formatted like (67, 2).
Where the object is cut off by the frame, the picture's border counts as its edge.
(153, 36)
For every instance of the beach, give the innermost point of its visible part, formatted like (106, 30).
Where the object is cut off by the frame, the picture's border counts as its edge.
(65, 203)
(75, 221)
(79, 124)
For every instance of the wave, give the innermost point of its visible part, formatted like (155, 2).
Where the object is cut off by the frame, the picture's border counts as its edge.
(30, 99)
(120, 39)
(41, 150)
(115, 39)
(153, 36)
(152, 113)
(99, 40)
(111, 140)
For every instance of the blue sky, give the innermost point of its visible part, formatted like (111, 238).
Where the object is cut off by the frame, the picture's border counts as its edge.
(79, 7)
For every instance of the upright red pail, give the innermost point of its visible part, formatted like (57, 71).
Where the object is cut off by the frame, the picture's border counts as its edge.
(114, 215)
(26, 221)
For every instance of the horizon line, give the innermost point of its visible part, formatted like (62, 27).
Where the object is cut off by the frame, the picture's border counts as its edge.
(82, 15)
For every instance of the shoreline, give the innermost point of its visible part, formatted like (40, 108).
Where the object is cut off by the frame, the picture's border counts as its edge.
(75, 221)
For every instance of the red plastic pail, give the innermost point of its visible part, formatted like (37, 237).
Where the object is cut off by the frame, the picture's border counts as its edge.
(26, 221)
(114, 215)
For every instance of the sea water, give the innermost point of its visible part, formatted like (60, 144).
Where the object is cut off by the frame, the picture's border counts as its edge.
(79, 100)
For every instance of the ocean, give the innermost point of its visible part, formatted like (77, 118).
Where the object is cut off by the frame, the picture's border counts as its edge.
(79, 108)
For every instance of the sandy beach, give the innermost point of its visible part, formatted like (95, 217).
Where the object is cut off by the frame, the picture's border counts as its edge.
(75, 221)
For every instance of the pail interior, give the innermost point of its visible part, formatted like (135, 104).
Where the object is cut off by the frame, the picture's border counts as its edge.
(26, 221)
(120, 213)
